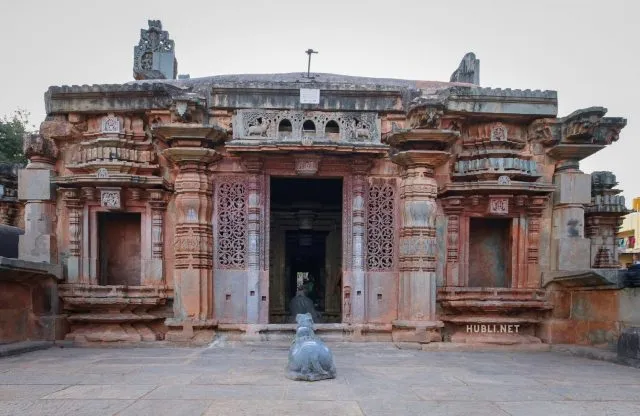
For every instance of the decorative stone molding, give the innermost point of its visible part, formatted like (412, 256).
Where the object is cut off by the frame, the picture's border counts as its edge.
(289, 125)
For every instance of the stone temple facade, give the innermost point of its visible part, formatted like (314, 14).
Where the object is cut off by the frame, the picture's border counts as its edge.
(410, 211)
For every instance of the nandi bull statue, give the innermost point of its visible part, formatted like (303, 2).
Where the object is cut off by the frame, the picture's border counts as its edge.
(309, 358)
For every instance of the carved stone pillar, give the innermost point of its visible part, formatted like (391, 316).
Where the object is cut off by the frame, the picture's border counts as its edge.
(158, 205)
(418, 285)
(356, 312)
(193, 243)
(256, 311)
(38, 243)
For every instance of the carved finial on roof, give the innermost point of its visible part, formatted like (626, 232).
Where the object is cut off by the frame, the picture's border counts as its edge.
(468, 71)
(154, 57)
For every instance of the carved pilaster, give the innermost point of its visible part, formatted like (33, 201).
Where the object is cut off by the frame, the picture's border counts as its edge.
(158, 205)
(534, 209)
(254, 227)
(358, 188)
(74, 204)
(453, 207)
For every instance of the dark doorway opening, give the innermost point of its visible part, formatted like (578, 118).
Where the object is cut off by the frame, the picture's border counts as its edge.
(490, 252)
(119, 248)
(305, 246)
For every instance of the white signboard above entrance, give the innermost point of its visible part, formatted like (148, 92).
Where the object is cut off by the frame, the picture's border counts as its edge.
(309, 96)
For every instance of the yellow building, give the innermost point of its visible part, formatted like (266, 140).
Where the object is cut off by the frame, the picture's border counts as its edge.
(628, 236)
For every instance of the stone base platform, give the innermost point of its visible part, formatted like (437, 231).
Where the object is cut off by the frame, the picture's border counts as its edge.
(328, 332)
(421, 332)
(108, 314)
(499, 316)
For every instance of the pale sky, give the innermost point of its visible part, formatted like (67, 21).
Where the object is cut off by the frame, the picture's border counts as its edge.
(588, 51)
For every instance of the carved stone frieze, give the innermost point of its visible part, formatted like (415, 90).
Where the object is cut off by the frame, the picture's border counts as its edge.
(320, 126)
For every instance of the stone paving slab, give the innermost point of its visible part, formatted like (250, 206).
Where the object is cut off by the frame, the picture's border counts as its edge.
(373, 380)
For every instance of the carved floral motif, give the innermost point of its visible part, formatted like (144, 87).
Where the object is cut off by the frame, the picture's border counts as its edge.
(232, 223)
(380, 226)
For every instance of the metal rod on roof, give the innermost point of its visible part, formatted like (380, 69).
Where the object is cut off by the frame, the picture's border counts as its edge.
(309, 52)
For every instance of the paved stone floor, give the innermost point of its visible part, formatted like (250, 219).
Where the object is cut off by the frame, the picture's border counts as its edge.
(373, 379)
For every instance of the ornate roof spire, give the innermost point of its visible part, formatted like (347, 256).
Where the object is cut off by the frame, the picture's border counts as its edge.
(154, 57)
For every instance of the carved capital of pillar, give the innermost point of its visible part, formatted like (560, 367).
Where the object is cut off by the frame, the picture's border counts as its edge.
(40, 151)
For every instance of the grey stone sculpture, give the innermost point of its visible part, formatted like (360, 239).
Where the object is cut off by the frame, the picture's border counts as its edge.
(309, 358)
(302, 304)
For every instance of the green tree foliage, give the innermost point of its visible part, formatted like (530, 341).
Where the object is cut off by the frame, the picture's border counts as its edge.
(11, 131)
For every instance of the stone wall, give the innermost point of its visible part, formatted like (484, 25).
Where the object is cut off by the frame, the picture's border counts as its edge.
(591, 316)
(29, 302)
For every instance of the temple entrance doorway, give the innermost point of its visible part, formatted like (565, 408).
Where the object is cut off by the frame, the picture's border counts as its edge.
(305, 248)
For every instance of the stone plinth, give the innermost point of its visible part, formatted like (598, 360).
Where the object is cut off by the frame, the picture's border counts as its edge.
(492, 315)
(100, 314)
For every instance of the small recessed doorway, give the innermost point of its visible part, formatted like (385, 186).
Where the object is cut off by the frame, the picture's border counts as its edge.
(119, 248)
(490, 252)
(305, 255)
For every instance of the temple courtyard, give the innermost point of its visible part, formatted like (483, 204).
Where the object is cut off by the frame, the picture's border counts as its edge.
(373, 379)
